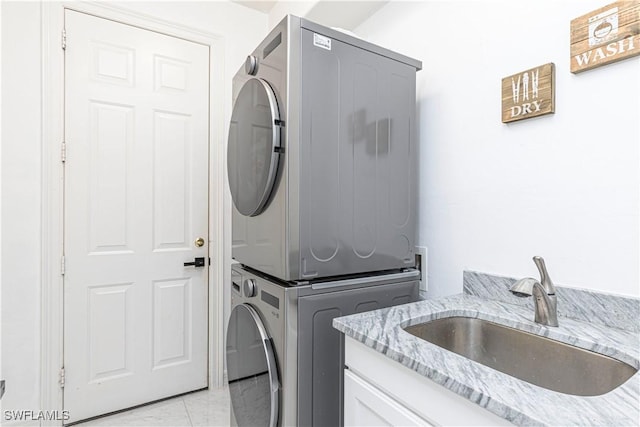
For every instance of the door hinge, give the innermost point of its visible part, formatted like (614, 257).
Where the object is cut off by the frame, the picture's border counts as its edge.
(63, 152)
(62, 378)
(62, 266)
(64, 39)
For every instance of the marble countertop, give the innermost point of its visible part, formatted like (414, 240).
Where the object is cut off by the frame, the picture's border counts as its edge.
(519, 402)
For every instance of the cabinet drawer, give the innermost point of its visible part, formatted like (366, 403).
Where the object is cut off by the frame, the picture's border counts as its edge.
(365, 405)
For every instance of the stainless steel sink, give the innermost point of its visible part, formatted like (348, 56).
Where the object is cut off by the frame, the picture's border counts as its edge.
(538, 360)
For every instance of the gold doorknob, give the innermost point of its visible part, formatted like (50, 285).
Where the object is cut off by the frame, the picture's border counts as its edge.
(199, 242)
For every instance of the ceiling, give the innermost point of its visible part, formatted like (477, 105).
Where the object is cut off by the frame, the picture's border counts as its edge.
(346, 14)
(260, 5)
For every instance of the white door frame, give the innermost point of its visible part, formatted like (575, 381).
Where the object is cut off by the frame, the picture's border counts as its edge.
(52, 306)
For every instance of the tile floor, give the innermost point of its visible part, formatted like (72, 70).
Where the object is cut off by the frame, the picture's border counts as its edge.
(201, 408)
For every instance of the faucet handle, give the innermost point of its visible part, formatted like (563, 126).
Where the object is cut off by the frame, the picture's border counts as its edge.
(545, 280)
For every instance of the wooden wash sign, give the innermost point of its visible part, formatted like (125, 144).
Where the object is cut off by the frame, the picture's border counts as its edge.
(528, 94)
(606, 35)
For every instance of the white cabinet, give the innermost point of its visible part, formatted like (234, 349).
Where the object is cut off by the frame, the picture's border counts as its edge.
(365, 405)
(380, 391)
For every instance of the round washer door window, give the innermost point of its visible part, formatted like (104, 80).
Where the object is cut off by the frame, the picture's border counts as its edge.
(251, 367)
(253, 149)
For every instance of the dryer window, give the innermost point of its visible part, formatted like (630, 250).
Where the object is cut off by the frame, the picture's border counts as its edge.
(253, 376)
(254, 147)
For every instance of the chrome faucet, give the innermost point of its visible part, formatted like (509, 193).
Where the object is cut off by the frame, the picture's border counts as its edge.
(544, 294)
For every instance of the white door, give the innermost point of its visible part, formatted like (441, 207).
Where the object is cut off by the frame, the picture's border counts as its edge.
(136, 201)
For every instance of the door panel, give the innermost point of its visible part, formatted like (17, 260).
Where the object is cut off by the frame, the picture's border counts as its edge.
(171, 184)
(136, 199)
(171, 334)
(110, 154)
(110, 341)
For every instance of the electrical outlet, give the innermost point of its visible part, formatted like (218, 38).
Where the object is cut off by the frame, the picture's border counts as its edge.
(421, 265)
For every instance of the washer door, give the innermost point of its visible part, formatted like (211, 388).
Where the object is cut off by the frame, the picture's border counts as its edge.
(253, 151)
(251, 367)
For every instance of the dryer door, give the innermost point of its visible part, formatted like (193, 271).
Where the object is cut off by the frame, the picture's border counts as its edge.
(253, 151)
(251, 367)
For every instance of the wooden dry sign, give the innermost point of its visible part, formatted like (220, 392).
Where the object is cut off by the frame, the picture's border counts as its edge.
(529, 94)
(606, 35)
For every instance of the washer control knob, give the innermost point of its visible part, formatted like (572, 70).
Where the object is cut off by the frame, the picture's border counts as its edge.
(249, 288)
(251, 65)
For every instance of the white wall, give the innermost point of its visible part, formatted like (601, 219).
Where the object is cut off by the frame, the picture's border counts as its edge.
(22, 245)
(1, 378)
(21, 174)
(491, 195)
(282, 8)
(345, 14)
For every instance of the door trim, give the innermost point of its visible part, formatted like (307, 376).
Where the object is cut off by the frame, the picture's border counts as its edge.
(52, 225)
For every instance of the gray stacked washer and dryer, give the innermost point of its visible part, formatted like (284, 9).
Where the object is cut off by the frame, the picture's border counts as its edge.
(322, 171)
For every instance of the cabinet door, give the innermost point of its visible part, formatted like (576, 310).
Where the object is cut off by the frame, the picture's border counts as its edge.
(365, 405)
